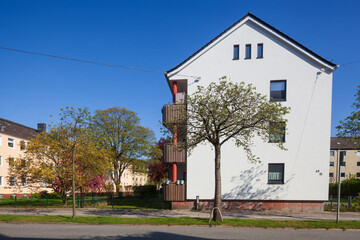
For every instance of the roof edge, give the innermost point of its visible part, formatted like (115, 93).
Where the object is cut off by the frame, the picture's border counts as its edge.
(249, 14)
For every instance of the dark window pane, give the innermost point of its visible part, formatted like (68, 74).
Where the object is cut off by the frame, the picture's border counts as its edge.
(358, 174)
(236, 52)
(331, 174)
(278, 90)
(260, 50)
(358, 163)
(331, 164)
(276, 173)
(277, 132)
(342, 174)
(248, 51)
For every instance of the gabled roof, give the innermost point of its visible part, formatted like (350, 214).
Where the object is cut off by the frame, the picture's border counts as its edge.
(16, 130)
(250, 16)
(344, 143)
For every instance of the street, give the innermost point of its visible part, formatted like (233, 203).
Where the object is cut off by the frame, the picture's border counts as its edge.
(87, 231)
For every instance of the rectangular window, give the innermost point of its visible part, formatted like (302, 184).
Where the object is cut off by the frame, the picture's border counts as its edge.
(247, 51)
(0, 140)
(332, 153)
(1, 195)
(358, 164)
(23, 163)
(12, 181)
(357, 153)
(277, 132)
(278, 90)
(24, 181)
(11, 162)
(331, 174)
(22, 145)
(358, 174)
(276, 173)
(332, 164)
(260, 47)
(1, 161)
(343, 164)
(343, 174)
(11, 143)
(1, 180)
(236, 52)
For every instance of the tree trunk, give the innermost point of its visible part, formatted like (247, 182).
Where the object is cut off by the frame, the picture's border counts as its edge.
(217, 198)
(73, 185)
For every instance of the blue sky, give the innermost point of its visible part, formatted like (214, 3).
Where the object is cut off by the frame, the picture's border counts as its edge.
(154, 35)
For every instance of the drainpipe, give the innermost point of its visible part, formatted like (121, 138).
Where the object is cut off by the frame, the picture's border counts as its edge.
(174, 167)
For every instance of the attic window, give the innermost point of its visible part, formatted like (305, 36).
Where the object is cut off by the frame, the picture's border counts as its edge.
(260, 50)
(248, 51)
(236, 52)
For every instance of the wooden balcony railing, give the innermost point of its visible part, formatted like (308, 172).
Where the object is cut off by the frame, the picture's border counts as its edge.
(174, 192)
(174, 154)
(174, 113)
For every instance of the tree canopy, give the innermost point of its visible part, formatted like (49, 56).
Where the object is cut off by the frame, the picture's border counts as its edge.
(350, 126)
(119, 130)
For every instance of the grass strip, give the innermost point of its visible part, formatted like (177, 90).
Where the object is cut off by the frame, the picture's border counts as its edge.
(261, 223)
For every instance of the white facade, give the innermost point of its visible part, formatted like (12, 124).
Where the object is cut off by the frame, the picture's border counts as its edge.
(308, 93)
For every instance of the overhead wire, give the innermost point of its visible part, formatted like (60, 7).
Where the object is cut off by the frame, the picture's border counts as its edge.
(91, 62)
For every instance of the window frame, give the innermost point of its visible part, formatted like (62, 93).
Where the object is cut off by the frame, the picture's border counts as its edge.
(1, 161)
(283, 139)
(1, 181)
(358, 163)
(1, 141)
(341, 175)
(262, 51)
(332, 153)
(247, 51)
(13, 143)
(358, 174)
(281, 181)
(331, 175)
(236, 47)
(332, 164)
(279, 100)
(10, 181)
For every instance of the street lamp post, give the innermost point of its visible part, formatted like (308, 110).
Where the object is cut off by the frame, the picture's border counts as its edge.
(339, 184)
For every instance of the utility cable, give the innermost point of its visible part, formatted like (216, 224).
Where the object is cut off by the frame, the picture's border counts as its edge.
(92, 62)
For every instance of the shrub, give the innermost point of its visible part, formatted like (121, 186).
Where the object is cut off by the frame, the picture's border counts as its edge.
(349, 187)
(145, 191)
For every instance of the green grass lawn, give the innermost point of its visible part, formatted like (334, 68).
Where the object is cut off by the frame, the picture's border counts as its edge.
(262, 223)
(96, 201)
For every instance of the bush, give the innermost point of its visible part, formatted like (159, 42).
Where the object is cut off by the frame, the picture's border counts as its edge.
(349, 187)
(145, 191)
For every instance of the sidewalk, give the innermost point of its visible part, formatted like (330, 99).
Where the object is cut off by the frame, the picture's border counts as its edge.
(136, 213)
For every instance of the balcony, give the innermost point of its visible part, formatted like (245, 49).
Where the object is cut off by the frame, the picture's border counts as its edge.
(174, 192)
(172, 154)
(173, 113)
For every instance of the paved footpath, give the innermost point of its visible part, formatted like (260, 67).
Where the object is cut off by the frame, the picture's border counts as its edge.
(136, 213)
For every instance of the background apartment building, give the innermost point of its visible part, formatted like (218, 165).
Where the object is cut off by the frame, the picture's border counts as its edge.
(350, 167)
(13, 139)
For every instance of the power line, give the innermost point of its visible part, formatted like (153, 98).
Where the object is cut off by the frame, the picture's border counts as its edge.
(80, 60)
(350, 63)
(92, 62)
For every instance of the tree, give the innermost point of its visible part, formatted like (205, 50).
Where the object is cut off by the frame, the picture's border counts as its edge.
(227, 110)
(157, 168)
(350, 127)
(119, 130)
(64, 157)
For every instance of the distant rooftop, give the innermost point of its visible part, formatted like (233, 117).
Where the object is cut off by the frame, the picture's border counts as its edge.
(345, 143)
(16, 130)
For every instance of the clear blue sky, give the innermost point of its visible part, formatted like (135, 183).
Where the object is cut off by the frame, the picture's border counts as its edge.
(153, 35)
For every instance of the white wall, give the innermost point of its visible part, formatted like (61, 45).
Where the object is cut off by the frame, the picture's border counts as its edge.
(308, 135)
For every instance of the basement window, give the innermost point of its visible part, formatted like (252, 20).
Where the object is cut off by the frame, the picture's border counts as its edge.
(276, 173)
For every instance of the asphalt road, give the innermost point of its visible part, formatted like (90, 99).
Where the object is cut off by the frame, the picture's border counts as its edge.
(84, 231)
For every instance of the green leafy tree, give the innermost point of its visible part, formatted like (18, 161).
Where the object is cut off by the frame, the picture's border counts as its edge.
(349, 128)
(63, 158)
(225, 110)
(119, 130)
